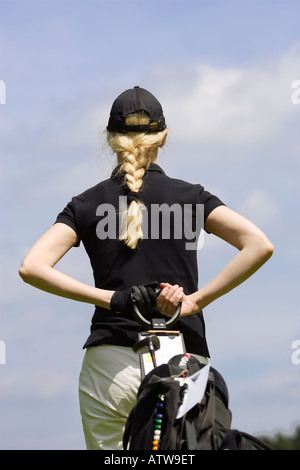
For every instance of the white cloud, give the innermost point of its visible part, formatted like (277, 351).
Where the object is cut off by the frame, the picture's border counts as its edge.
(240, 107)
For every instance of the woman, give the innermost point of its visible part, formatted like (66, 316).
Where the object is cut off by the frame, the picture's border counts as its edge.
(137, 227)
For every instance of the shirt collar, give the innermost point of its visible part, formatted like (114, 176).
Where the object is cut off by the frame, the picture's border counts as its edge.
(153, 167)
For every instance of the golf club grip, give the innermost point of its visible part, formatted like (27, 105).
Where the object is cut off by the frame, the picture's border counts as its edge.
(146, 323)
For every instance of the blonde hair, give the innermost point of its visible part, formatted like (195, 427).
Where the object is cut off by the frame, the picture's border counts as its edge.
(135, 151)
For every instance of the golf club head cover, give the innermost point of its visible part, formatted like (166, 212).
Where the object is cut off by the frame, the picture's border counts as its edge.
(144, 296)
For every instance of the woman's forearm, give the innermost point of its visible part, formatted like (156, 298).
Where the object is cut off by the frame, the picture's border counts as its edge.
(245, 263)
(51, 280)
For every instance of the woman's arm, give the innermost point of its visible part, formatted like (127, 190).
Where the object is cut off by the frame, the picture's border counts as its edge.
(254, 250)
(38, 269)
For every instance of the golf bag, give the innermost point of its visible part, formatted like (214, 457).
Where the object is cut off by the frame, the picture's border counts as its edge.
(152, 423)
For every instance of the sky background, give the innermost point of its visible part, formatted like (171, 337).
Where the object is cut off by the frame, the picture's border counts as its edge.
(223, 71)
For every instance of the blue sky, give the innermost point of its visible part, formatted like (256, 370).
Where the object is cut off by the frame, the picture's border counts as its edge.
(223, 71)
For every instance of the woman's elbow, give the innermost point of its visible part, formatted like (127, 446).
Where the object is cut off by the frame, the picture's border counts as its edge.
(265, 248)
(270, 249)
(27, 271)
(260, 247)
(24, 272)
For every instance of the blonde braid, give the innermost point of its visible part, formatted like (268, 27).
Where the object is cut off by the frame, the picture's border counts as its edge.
(135, 152)
(134, 168)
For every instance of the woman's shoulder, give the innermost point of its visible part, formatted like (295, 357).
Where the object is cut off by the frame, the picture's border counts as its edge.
(93, 191)
(183, 183)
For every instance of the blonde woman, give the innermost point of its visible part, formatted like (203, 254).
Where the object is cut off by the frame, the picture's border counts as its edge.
(137, 227)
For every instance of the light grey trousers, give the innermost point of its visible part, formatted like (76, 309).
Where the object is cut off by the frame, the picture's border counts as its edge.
(108, 385)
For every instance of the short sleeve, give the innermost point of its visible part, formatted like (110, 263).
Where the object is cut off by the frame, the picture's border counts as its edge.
(68, 217)
(210, 202)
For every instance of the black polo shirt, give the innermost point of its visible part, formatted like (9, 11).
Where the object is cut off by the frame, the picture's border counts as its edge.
(175, 211)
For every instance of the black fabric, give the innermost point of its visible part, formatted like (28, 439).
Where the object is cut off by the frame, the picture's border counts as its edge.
(140, 423)
(238, 440)
(220, 385)
(121, 301)
(202, 428)
(144, 296)
(131, 101)
(206, 426)
(117, 267)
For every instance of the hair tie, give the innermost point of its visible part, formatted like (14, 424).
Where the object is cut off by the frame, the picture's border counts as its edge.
(132, 196)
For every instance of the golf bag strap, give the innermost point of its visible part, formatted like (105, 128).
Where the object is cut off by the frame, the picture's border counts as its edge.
(190, 434)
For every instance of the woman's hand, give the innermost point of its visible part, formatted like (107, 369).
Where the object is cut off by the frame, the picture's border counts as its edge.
(189, 305)
(169, 298)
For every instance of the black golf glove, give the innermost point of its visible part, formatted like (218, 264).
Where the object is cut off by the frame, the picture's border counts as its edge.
(144, 296)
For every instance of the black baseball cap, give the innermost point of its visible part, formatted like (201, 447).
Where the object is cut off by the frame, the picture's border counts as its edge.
(131, 101)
